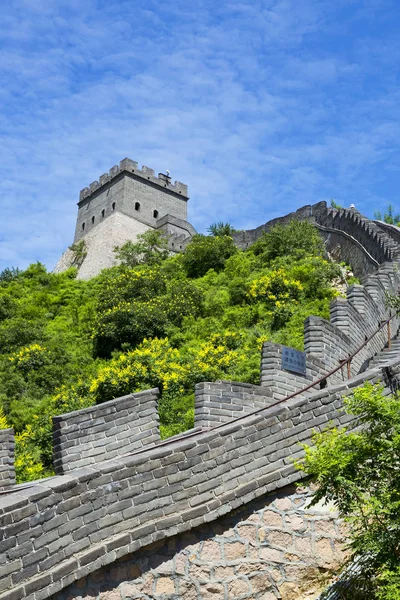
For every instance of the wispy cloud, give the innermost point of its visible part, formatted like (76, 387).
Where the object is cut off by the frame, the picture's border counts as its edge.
(259, 106)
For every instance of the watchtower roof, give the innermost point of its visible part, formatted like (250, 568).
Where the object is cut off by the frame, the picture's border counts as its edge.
(145, 173)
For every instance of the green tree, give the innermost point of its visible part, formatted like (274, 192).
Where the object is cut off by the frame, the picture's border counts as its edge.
(9, 274)
(335, 204)
(79, 253)
(296, 239)
(151, 248)
(205, 253)
(389, 216)
(359, 472)
(221, 228)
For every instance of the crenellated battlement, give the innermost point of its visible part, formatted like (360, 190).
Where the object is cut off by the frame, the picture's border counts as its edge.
(348, 235)
(145, 173)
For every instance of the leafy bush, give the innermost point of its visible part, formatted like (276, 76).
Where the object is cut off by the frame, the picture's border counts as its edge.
(296, 239)
(359, 472)
(221, 228)
(204, 253)
(151, 248)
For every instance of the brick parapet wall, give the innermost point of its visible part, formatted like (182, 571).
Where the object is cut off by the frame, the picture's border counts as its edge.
(7, 447)
(377, 241)
(85, 437)
(222, 401)
(281, 382)
(353, 320)
(131, 166)
(392, 230)
(61, 529)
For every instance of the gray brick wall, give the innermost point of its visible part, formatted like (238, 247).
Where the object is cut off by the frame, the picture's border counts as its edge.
(59, 530)
(88, 436)
(281, 383)
(353, 320)
(7, 471)
(276, 547)
(221, 401)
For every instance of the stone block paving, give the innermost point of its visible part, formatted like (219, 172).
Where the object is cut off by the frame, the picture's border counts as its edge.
(275, 548)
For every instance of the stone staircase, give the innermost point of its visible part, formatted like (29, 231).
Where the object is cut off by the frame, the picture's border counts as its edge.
(386, 354)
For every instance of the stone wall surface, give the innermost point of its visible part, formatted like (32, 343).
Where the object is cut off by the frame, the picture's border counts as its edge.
(85, 437)
(7, 471)
(375, 240)
(100, 243)
(221, 401)
(343, 247)
(107, 199)
(282, 383)
(276, 547)
(60, 530)
(151, 198)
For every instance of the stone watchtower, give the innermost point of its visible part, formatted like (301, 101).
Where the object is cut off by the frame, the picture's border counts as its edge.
(125, 202)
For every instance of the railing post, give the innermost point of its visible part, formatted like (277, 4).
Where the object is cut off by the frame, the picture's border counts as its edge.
(349, 368)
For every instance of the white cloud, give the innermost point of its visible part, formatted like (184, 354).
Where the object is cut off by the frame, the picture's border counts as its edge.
(262, 106)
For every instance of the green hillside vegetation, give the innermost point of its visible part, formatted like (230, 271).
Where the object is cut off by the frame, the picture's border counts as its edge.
(154, 321)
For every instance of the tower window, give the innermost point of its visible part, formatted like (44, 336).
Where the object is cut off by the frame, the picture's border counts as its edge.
(103, 213)
(155, 214)
(92, 220)
(137, 206)
(113, 205)
(83, 226)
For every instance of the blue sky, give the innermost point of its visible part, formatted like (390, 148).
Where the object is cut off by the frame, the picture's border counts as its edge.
(260, 107)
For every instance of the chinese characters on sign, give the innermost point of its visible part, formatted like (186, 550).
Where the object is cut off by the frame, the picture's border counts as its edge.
(293, 360)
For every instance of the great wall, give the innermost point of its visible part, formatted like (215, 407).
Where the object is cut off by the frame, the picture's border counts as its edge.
(213, 513)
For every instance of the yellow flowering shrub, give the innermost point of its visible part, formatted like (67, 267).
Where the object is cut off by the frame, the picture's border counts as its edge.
(278, 292)
(274, 288)
(3, 420)
(156, 364)
(28, 465)
(29, 358)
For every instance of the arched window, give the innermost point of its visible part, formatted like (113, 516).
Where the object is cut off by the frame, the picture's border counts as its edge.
(137, 206)
(155, 214)
(103, 213)
(83, 226)
(113, 205)
(92, 220)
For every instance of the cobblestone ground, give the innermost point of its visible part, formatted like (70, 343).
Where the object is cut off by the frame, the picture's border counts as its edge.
(275, 548)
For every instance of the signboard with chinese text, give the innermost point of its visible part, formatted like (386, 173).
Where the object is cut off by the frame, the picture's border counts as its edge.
(293, 360)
